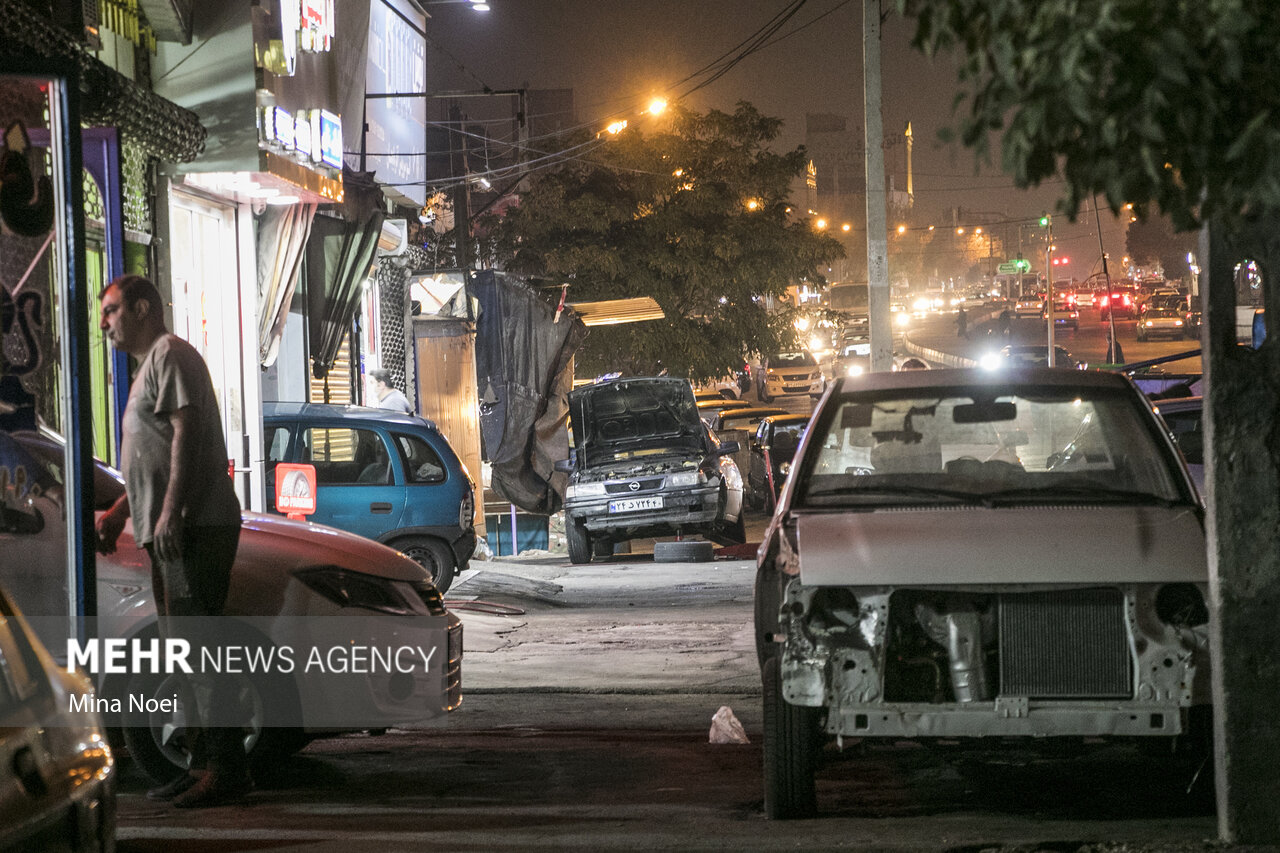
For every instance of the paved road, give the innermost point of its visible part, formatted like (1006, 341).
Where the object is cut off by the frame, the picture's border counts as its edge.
(1088, 343)
(585, 727)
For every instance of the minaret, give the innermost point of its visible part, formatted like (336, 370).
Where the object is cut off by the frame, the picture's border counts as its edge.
(910, 192)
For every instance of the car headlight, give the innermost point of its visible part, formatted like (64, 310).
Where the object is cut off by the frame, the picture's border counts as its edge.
(1149, 324)
(1177, 322)
(990, 361)
(685, 478)
(903, 319)
(346, 588)
(855, 370)
(584, 490)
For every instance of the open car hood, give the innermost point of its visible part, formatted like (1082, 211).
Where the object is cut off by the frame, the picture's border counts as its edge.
(633, 418)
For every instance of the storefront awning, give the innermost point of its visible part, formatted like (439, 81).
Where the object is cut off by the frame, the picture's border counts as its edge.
(611, 312)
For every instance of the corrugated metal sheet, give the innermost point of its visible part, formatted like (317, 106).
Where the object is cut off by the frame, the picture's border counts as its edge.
(612, 312)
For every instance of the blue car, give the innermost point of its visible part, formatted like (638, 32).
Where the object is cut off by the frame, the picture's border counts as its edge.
(387, 476)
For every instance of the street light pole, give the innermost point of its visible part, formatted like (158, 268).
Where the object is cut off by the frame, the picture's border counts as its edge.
(1048, 289)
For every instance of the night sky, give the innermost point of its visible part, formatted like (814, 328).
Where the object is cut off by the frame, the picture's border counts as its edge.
(617, 54)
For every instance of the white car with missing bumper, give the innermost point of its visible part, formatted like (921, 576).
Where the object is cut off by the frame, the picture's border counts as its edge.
(966, 555)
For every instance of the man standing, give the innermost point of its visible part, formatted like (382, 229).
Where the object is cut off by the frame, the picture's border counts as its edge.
(962, 323)
(185, 513)
(388, 397)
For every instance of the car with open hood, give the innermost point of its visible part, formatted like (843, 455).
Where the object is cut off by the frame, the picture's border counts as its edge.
(644, 464)
(975, 556)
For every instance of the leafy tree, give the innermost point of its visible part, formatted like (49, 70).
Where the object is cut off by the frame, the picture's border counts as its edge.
(1171, 104)
(1166, 103)
(1154, 240)
(694, 215)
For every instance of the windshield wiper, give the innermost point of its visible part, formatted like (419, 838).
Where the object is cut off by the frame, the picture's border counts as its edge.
(1090, 493)
(914, 491)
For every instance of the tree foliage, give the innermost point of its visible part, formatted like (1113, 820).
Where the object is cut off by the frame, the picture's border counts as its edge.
(694, 215)
(1173, 103)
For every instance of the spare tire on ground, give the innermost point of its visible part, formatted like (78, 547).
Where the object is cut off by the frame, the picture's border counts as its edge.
(685, 551)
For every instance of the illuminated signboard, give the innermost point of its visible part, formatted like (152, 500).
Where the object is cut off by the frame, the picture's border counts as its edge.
(330, 139)
(311, 135)
(283, 127)
(302, 134)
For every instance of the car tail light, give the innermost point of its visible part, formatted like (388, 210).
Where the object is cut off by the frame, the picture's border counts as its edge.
(467, 509)
(346, 588)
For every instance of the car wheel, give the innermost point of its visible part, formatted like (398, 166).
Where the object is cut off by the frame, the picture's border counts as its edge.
(433, 555)
(791, 747)
(575, 532)
(157, 740)
(683, 551)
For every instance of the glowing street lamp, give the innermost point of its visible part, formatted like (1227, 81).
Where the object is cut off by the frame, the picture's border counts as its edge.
(617, 126)
(845, 227)
(657, 105)
(820, 224)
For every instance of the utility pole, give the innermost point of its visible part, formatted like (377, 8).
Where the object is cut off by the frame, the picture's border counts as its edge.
(462, 190)
(877, 237)
(1048, 287)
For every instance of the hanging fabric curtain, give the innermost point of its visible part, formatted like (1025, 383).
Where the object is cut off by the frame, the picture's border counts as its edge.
(282, 235)
(338, 258)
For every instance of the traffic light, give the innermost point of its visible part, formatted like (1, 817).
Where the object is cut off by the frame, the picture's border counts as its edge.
(1044, 221)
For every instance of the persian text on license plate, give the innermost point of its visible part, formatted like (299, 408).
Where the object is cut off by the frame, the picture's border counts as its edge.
(635, 504)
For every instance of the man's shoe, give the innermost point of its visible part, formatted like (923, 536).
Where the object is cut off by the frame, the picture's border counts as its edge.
(214, 789)
(172, 788)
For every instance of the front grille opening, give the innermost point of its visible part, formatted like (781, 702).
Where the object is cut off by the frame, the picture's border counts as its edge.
(945, 647)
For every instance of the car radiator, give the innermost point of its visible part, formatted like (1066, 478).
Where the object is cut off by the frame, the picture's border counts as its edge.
(1070, 644)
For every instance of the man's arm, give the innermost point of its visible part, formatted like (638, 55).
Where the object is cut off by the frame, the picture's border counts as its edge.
(111, 524)
(167, 535)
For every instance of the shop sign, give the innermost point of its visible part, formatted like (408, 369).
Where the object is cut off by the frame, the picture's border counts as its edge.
(314, 136)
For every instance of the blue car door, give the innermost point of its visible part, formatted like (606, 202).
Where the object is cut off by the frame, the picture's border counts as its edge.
(358, 485)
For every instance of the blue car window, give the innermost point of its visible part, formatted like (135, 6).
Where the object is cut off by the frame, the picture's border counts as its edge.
(344, 456)
(420, 460)
(278, 444)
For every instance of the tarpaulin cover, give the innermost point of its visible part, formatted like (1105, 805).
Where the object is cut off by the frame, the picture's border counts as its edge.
(523, 358)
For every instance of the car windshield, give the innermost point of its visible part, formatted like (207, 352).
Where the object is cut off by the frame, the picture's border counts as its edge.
(793, 359)
(1072, 445)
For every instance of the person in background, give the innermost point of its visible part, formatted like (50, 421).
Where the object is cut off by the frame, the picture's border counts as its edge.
(186, 515)
(1005, 322)
(1115, 355)
(962, 323)
(388, 397)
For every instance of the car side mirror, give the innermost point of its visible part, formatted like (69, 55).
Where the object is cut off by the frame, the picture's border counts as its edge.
(564, 466)
(728, 448)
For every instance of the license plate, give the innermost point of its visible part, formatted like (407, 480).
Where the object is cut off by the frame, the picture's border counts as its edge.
(635, 504)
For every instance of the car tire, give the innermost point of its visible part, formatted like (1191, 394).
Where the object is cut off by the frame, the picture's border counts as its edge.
(575, 534)
(684, 551)
(154, 739)
(433, 555)
(791, 746)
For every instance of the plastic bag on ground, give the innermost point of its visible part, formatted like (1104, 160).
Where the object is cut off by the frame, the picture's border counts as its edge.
(725, 727)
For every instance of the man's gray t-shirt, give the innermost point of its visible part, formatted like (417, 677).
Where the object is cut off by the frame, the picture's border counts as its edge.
(173, 375)
(396, 401)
